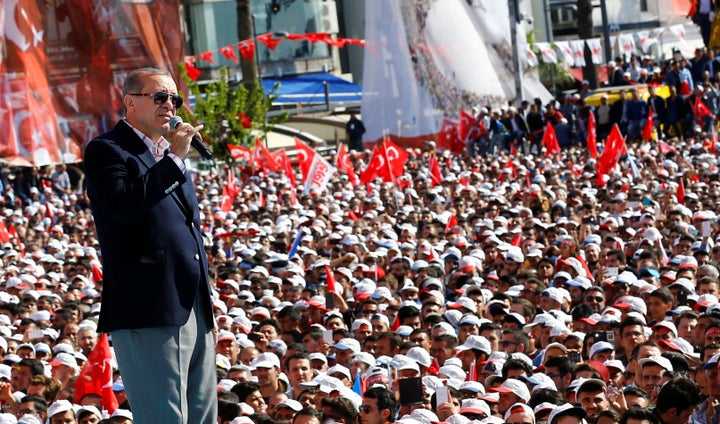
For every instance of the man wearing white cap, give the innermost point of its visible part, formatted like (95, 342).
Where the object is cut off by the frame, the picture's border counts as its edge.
(567, 414)
(519, 413)
(266, 367)
(61, 412)
(511, 391)
(88, 414)
(655, 371)
(64, 367)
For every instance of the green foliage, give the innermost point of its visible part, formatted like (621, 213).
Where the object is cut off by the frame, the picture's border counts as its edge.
(221, 106)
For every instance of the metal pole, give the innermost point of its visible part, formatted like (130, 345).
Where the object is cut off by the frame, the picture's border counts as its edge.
(513, 6)
(326, 89)
(606, 32)
(549, 39)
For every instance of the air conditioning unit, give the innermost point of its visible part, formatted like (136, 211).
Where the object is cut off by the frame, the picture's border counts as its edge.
(329, 18)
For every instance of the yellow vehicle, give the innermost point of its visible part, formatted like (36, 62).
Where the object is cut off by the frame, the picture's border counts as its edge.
(613, 93)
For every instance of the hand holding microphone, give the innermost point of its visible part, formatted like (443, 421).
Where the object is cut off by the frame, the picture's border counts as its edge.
(196, 141)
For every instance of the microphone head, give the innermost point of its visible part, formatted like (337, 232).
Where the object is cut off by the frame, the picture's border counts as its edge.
(175, 121)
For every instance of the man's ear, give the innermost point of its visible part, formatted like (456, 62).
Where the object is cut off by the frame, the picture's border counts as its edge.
(128, 102)
(385, 414)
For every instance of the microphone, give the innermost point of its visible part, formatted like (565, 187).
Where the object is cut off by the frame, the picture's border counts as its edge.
(196, 142)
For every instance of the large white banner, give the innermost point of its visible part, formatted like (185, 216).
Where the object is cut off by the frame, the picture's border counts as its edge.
(427, 60)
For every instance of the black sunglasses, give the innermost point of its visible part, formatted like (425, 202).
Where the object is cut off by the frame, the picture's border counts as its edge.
(161, 97)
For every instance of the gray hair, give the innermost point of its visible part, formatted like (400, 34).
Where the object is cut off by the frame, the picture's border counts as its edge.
(135, 79)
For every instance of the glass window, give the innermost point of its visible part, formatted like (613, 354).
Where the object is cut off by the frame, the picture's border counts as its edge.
(214, 25)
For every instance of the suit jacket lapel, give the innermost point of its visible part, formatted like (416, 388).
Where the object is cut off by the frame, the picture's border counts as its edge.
(135, 145)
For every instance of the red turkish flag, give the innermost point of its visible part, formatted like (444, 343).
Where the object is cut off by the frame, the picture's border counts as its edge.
(229, 53)
(680, 193)
(714, 140)
(700, 110)
(649, 125)
(97, 273)
(296, 37)
(247, 50)
(355, 41)
(305, 155)
(263, 158)
(284, 162)
(239, 152)
(396, 157)
(229, 192)
(435, 174)
(342, 162)
(388, 162)
(666, 148)
(192, 71)
(448, 138)
(207, 56)
(329, 280)
(614, 147)
(685, 89)
(465, 127)
(96, 376)
(376, 167)
(4, 234)
(592, 137)
(316, 37)
(451, 223)
(550, 140)
(270, 42)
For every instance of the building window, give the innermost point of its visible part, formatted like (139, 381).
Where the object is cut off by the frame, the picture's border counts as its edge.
(214, 25)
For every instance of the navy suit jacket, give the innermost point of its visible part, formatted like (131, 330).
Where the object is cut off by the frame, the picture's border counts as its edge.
(147, 220)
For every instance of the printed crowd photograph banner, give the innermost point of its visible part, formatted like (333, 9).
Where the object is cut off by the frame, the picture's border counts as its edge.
(426, 60)
(62, 65)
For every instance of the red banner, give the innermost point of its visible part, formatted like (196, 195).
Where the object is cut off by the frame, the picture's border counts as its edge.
(63, 64)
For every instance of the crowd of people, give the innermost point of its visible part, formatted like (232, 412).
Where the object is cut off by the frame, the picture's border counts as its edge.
(675, 89)
(518, 289)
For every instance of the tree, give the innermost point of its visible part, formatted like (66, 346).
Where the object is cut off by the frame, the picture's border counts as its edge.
(231, 112)
(585, 31)
(245, 32)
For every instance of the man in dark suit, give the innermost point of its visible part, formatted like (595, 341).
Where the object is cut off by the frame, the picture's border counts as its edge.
(516, 124)
(156, 295)
(618, 112)
(659, 108)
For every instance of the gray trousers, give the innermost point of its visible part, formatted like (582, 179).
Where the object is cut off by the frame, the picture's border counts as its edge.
(169, 373)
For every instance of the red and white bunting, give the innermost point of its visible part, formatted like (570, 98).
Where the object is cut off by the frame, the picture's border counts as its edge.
(547, 52)
(567, 54)
(578, 51)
